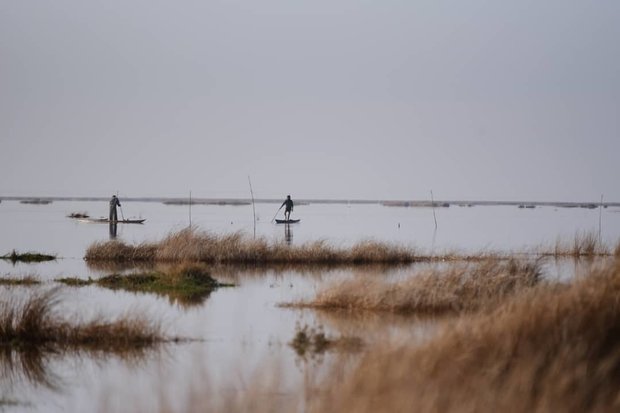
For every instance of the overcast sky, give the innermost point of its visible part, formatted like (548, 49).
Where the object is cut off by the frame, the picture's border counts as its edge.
(477, 99)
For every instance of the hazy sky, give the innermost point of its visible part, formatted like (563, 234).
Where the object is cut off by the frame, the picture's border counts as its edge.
(477, 99)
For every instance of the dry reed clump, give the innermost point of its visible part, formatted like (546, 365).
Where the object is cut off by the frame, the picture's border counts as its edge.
(555, 348)
(199, 246)
(457, 289)
(586, 244)
(120, 252)
(34, 322)
(367, 252)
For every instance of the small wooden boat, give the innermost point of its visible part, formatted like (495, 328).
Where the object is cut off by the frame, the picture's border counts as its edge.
(107, 221)
(287, 221)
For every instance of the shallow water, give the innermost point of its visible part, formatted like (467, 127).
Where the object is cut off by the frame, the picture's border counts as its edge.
(45, 228)
(241, 331)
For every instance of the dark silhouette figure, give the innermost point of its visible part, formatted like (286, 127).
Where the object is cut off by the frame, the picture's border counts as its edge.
(114, 202)
(288, 203)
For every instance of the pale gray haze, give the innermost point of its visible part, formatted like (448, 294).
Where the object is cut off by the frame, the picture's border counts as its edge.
(480, 99)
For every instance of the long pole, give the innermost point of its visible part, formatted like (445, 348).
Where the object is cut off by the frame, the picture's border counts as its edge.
(190, 209)
(274, 217)
(600, 221)
(253, 207)
(433, 204)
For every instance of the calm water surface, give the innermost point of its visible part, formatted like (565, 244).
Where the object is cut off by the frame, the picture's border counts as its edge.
(241, 331)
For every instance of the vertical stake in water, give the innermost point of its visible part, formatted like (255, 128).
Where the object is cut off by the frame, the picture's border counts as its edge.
(600, 221)
(253, 208)
(433, 205)
(190, 209)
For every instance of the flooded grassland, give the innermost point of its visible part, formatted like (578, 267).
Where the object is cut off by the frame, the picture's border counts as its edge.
(347, 311)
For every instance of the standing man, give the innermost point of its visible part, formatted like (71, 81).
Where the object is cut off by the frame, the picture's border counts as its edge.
(288, 203)
(114, 202)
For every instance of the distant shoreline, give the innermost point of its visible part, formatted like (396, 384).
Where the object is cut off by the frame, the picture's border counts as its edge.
(388, 203)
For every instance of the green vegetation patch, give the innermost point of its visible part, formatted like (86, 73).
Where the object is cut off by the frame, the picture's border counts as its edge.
(15, 256)
(8, 402)
(74, 281)
(188, 284)
(26, 280)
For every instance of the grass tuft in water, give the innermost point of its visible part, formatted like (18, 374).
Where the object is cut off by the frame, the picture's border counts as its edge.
(200, 246)
(75, 281)
(27, 257)
(187, 283)
(35, 322)
(461, 288)
(118, 251)
(552, 348)
(584, 244)
(311, 341)
(26, 280)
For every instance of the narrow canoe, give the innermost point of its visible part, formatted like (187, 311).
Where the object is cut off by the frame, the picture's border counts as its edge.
(289, 221)
(107, 221)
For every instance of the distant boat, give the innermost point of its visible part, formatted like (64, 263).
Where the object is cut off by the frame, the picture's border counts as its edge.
(287, 221)
(78, 215)
(107, 221)
(36, 201)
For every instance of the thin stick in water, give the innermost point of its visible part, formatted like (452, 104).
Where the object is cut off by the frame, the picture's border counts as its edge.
(433, 205)
(253, 208)
(600, 221)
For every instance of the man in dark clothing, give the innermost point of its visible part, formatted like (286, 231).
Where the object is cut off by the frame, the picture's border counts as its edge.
(288, 203)
(114, 202)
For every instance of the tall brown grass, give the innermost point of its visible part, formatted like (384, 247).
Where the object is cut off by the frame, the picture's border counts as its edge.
(194, 245)
(35, 322)
(201, 246)
(33, 333)
(553, 348)
(584, 244)
(455, 289)
(120, 252)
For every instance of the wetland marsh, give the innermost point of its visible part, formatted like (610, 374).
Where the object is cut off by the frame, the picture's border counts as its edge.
(288, 334)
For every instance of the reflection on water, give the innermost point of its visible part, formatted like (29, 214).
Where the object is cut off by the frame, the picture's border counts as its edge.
(376, 327)
(31, 374)
(113, 230)
(107, 267)
(288, 234)
(26, 365)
